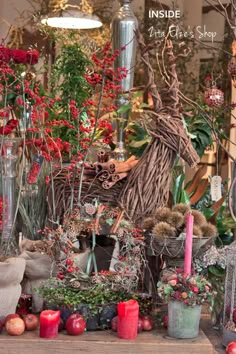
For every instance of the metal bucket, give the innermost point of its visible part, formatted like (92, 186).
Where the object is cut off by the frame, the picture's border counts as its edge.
(183, 320)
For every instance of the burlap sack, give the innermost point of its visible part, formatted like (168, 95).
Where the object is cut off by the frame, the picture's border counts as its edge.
(39, 268)
(11, 275)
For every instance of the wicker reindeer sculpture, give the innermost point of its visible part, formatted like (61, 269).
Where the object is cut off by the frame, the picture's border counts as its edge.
(148, 184)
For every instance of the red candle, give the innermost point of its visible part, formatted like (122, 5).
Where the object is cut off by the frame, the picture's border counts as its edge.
(188, 244)
(128, 313)
(49, 322)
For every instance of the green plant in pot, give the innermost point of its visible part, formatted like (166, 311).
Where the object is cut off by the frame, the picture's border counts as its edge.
(96, 303)
(184, 294)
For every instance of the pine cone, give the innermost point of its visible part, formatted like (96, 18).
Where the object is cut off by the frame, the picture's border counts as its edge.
(75, 284)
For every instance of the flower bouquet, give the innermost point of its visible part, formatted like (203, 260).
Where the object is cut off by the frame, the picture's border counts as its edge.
(184, 294)
(190, 289)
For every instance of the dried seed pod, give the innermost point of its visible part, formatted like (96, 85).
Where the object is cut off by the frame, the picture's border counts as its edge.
(163, 230)
(181, 208)
(90, 209)
(161, 214)
(209, 230)
(199, 218)
(148, 223)
(197, 231)
(175, 219)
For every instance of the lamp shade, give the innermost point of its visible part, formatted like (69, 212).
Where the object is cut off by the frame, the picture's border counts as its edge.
(72, 19)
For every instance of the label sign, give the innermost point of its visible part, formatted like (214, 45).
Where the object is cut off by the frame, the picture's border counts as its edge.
(216, 193)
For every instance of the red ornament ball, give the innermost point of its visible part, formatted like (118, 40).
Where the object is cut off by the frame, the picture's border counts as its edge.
(214, 97)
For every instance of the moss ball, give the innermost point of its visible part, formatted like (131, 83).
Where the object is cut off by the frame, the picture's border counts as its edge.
(209, 230)
(149, 223)
(199, 218)
(181, 208)
(163, 230)
(176, 219)
(161, 214)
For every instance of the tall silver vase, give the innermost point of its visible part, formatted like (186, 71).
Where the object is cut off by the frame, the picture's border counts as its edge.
(123, 26)
(9, 158)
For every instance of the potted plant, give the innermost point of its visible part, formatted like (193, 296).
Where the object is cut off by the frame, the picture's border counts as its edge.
(184, 295)
(96, 303)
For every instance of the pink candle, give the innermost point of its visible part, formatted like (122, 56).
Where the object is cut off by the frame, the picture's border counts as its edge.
(128, 313)
(188, 244)
(49, 322)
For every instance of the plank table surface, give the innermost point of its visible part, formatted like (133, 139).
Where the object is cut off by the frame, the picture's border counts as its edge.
(104, 342)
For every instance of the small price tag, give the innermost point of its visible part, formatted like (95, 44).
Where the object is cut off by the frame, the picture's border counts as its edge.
(216, 193)
(35, 168)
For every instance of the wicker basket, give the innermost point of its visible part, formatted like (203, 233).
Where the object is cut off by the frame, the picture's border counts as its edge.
(173, 248)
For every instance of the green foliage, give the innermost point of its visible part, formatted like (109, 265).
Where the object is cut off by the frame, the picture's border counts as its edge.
(199, 131)
(69, 84)
(138, 139)
(68, 75)
(94, 297)
(224, 223)
(179, 194)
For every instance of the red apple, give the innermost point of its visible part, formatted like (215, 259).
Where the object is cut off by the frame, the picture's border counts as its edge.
(114, 323)
(140, 325)
(231, 348)
(75, 324)
(31, 322)
(15, 326)
(147, 323)
(11, 315)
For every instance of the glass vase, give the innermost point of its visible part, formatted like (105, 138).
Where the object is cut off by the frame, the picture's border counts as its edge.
(9, 159)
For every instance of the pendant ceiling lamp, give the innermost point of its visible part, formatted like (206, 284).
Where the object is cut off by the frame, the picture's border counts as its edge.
(71, 16)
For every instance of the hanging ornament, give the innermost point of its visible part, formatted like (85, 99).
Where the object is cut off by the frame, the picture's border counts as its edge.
(232, 65)
(214, 97)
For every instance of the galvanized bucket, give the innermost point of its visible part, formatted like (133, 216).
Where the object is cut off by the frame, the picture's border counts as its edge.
(183, 320)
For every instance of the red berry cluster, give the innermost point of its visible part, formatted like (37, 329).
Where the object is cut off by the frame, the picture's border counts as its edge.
(33, 173)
